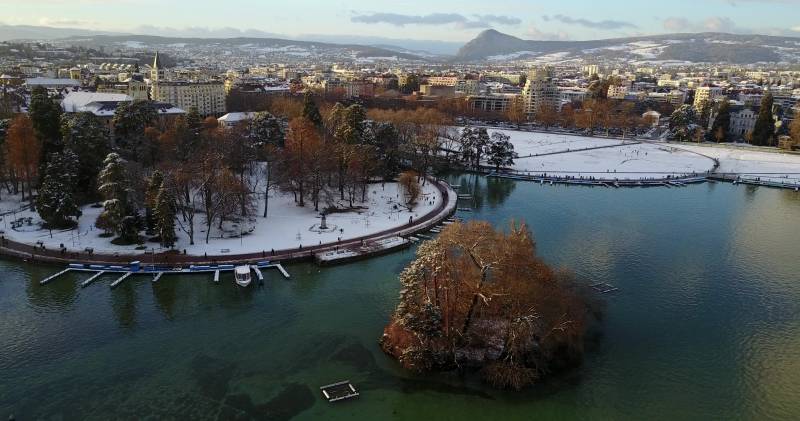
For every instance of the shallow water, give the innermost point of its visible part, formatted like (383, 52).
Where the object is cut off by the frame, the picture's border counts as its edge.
(706, 324)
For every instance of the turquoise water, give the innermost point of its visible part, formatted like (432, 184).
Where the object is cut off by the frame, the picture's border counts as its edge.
(706, 324)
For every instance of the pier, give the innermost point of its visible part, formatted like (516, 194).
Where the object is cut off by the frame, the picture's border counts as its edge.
(53, 277)
(93, 278)
(126, 271)
(121, 279)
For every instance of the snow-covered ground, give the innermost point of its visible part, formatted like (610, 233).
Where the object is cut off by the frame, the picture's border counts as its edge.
(534, 143)
(752, 163)
(616, 160)
(287, 226)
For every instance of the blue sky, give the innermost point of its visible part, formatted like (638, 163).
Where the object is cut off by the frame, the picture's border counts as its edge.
(446, 20)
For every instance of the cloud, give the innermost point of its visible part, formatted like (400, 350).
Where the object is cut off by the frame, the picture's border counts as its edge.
(711, 24)
(202, 32)
(473, 21)
(601, 24)
(66, 22)
(536, 34)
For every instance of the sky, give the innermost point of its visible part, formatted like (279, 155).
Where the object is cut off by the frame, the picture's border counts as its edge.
(442, 20)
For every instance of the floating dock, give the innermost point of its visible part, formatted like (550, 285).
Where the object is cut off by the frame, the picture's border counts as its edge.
(604, 288)
(126, 271)
(259, 275)
(121, 279)
(53, 277)
(339, 391)
(370, 248)
(93, 278)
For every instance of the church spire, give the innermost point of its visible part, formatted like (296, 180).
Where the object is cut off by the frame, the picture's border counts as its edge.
(157, 62)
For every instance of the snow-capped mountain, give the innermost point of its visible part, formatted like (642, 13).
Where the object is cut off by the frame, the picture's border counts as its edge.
(676, 48)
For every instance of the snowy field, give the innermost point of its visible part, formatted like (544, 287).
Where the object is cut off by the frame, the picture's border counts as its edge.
(752, 163)
(287, 226)
(534, 143)
(621, 160)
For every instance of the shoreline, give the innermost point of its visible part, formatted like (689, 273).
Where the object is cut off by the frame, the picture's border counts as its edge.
(32, 254)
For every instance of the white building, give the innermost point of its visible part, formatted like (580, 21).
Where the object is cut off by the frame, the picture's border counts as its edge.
(540, 91)
(207, 97)
(706, 95)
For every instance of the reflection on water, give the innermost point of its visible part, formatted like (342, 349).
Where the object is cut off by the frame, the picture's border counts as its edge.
(705, 324)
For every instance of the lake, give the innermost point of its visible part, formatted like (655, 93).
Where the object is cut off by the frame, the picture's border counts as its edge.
(705, 325)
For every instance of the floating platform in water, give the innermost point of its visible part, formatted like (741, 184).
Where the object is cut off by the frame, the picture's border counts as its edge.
(136, 268)
(604, 288)
(339, 391)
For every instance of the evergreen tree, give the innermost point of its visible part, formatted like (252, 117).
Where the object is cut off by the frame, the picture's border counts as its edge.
(194, 121)
(89, 139)
(764, 130)
(351, 129)
(118, 216)
(150, 198)
(311, 111)
(683, 123)
(45, 115)
(500, 151)
(266, 129)
(722, 122)
(130, 121)
(165, 211)
(56, 203)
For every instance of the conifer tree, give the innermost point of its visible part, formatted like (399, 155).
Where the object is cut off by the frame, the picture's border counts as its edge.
(722, 122)
(56, 203)
(153, 189)
(90, 140)
(311, 111)
(118, 216)
(45, 116)
(164, 213)
(764, 130)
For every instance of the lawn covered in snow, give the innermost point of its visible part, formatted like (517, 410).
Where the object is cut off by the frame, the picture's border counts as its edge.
(287, 226)
(617, 159)
(751, 162)
(535, 143)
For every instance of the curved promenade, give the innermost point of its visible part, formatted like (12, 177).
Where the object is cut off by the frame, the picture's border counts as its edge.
(34, 254)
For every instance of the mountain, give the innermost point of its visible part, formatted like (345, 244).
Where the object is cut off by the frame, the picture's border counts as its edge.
(20, 32)
(429, 47)
(691, 48)
(273, 47)
(408, 47)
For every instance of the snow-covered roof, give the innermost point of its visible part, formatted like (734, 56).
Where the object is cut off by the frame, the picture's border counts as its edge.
(47, 81)
(236, 117)
(76, 101)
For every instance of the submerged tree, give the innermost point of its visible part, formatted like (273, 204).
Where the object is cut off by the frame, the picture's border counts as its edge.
(479, 298)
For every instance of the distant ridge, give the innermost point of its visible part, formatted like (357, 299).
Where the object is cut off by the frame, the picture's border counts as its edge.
(698, 47)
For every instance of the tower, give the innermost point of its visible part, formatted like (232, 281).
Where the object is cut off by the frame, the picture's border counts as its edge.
(156, 76)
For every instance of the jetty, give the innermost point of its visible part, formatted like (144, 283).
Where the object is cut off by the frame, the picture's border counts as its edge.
(370, 248)
(53, 277)
(135, 268)
(121, 279)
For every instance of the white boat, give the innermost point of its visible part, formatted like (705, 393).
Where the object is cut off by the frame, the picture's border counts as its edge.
(242, 274)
